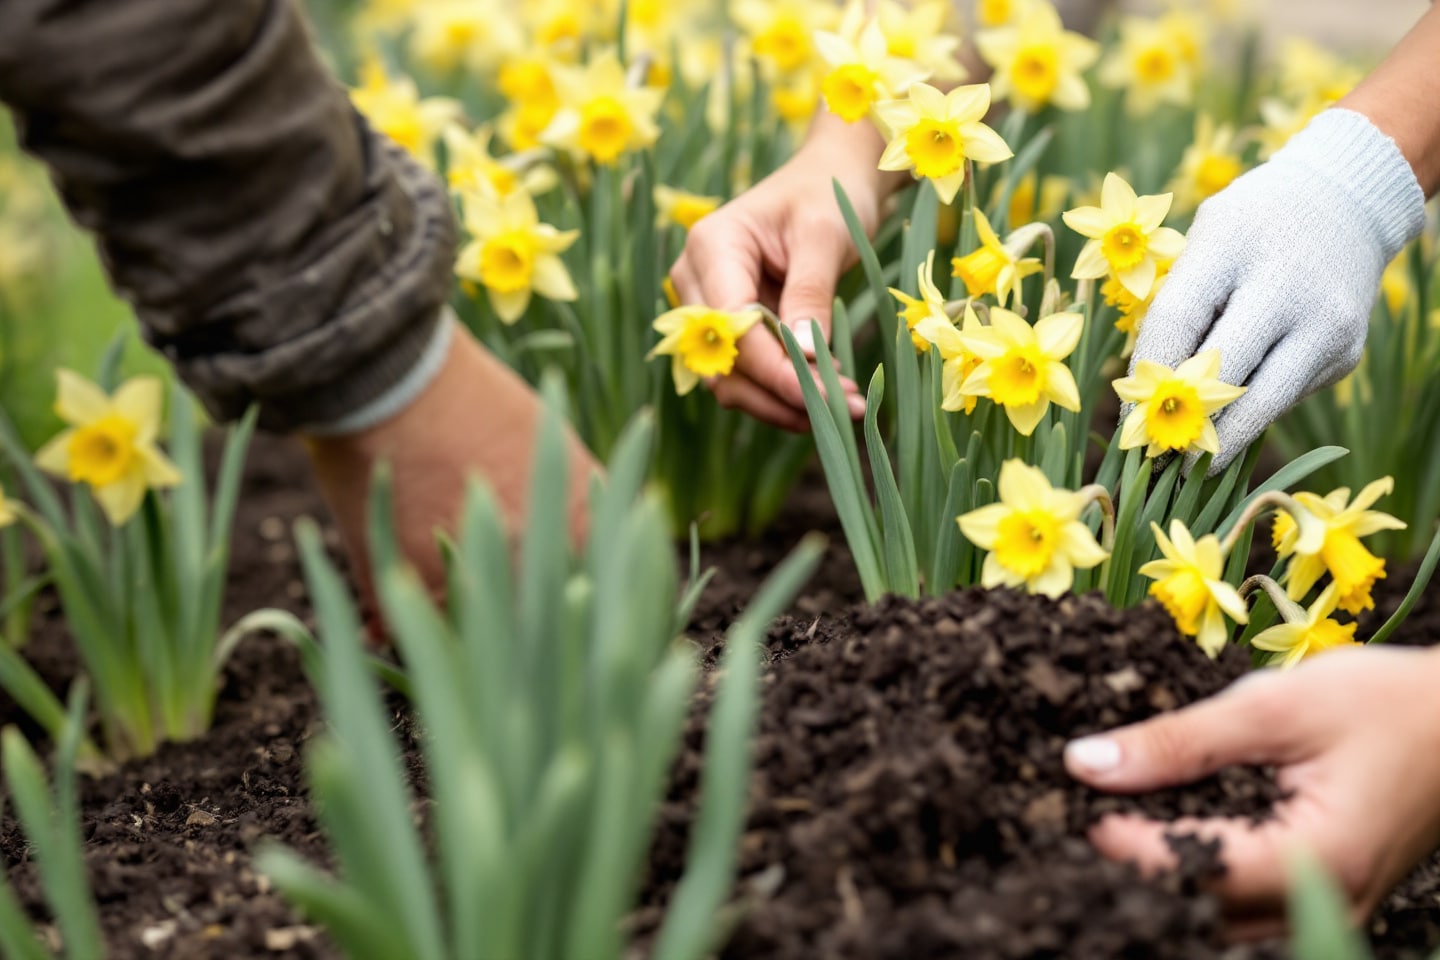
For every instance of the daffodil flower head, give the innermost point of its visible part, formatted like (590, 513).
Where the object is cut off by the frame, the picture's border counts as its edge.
(861, 70)
(681, 208)
(1022, 367)
(1133, 310)
(1151, 64)
(781, 32)
(1034, 534)
(1314, 634)
(1002, 13)
(1210, 164)
(931, 302)
(958, 362)
(1352, 566)
(470, 166)
(450, 34)
(701, 342)
(1189, 584)
(512, 254)
(601, 115)
(1173, 407)
(933, 134)
(110, 442)
(394, 108)
(1309, 72)
(1126, 237)
(1037, 62)
(917, 31)
(993, 267)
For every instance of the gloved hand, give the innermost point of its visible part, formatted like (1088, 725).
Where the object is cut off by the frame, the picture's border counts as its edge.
(1282, 269)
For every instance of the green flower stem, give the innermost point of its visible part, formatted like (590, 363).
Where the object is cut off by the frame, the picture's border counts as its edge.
(1289, 610)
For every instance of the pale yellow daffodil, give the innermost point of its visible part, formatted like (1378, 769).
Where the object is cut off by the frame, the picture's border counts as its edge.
(701, 342)
(1022, 367)
(1150, 66)
(1173, 407)
(958, 361)
(512, 254)
(860, 68)
(994, 267)
(601, 116)
(1126, 237)
(1354, 568)
(394, 107)
(1037, 62)
(933, 134)
(1210, 164)
(1316, 633)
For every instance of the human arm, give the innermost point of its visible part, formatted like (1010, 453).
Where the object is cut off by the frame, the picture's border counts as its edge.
(1283, 266)
(1355, 738)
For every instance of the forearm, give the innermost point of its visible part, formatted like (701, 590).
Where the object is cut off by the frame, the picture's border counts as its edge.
(275, 249)
(1402, 98)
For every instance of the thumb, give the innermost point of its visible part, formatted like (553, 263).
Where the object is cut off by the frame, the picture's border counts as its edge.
(1246, 725)
(809, 292)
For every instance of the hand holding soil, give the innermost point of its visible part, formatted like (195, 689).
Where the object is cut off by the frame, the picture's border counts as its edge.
(1352, 736)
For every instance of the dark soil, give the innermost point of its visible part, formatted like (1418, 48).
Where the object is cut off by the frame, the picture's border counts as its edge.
(908, 803)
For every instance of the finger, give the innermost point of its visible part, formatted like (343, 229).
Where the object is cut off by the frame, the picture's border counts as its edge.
(1192, 298)
(763, 360)
(1247, 724)
(1255, 857)
(738, 392)
(1286, 375)
(1245, 333)
(726, 263)
(813, 271)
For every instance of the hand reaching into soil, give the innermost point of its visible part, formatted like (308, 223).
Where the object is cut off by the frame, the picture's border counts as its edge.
(1355, 736)
(785, 244)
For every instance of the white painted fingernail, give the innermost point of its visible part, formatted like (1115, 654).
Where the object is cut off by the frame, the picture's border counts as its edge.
(1096, 754)
(804, 337)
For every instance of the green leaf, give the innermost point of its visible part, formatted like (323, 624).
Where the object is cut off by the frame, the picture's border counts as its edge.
(1320, 916)
(903, 576)
(1413, 595)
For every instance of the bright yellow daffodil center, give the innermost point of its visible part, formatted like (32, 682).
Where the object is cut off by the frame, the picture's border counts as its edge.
(980, 270)
(1036, 71)
(526, 81)
(935, 148)
(902, 45)
(1124, 246)
(1018, 377)
(1216, 172)
(1155, 65)
(995, 13)
(103, 451)
(689, 211)
(786, 42)
(1184, 596)
(707, 345)
(507, 262)
(850, 91)
(1354, 568)
(1174, 415)
(1026, 542)
(605, 129)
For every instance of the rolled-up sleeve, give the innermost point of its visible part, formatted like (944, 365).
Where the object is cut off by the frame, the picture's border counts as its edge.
(275, 249)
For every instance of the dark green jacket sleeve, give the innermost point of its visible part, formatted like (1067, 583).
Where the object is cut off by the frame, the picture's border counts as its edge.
(275, 249)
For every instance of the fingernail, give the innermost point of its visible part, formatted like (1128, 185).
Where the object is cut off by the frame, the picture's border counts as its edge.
(804, 337)
(1094, 754)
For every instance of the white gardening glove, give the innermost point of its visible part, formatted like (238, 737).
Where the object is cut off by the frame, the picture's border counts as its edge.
(1283, 267)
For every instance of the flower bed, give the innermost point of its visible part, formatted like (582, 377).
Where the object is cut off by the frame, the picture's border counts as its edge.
(908, 799)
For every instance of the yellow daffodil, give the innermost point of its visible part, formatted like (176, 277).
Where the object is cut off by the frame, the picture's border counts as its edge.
(795, 98)
(452, 34)
(394, 107)
(1189, 585)
(1173, 407)
(959, 362)
(1035, 200)
(1189, 34)
(1022, 367)
(931, 302)
(1150, 66)
(512, 254)
(781, 32)
(1353, 567)
(1396, 285)
(1034, 535)
(7, 510)
(110, 442)
(601, 116)
(1316, 633)
(529, 85)
(701, 342)
(1309, 72)
(470, 166)
(994, 267)
(992, 14)
(1126, 237)
(861, 71)
(560, 28)
(681, 208)
(1133, 310)
(1281, 120)
(1210, 164)
(1037, 62)
(933, 134)
(917, 31)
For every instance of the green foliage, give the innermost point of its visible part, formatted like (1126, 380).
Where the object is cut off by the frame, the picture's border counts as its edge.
(552, 699)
